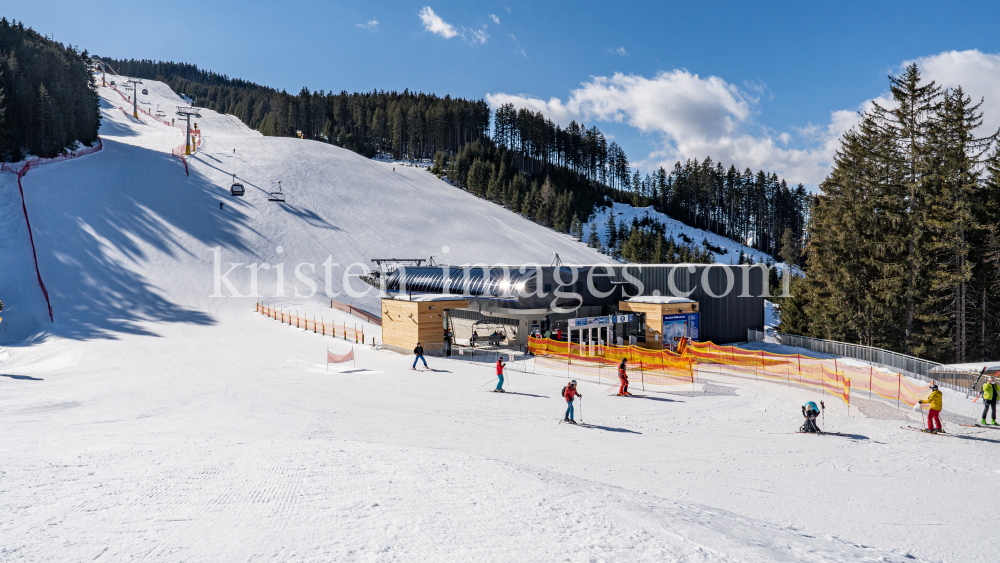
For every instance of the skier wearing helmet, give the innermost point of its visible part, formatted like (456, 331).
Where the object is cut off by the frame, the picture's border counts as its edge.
(935, 401)
(810, 411)
(623, 377)
(569, 393)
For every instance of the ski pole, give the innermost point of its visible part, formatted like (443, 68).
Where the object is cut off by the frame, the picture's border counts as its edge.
(581, 408)
(823, 408)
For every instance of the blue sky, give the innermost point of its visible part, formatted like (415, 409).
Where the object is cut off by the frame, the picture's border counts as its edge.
(767, 86)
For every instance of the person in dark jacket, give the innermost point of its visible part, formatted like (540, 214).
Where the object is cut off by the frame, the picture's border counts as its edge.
(419, 353)
(991, 389)
(810, 411)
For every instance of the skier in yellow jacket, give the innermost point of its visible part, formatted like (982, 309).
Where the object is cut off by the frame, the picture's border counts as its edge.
(991, 391)
(935, 401)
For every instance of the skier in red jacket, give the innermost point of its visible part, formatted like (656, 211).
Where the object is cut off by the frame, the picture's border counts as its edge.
(623, 390)
(500, 366)
(570, 392)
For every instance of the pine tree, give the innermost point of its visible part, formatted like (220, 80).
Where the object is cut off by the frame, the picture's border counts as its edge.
(955, 163)
(611, 231)
(576, 228)
(593, 240)
(905, 130)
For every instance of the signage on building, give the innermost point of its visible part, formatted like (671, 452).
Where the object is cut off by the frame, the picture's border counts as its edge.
(587, 322)
(680, 326)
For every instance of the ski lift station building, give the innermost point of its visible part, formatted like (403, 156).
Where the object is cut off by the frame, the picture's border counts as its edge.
(650, 305)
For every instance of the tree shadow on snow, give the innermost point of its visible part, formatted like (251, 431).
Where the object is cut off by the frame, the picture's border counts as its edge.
(107, 222)
(307, 215)
(22, 377)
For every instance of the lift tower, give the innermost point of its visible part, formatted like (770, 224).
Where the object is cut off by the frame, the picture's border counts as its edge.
(135, 95)
(188, 112)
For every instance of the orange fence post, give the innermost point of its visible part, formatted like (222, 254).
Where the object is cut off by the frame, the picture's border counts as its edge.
(641, 376)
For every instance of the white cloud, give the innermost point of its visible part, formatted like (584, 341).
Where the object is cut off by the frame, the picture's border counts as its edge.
(495, 19)
(434, 24)
(976, 72)
(475, 36)
(369, 25)
(620, 51)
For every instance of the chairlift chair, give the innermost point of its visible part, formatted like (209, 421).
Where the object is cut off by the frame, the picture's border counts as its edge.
(277, 196)
(145, 91)
(112, 82)
(237, 188)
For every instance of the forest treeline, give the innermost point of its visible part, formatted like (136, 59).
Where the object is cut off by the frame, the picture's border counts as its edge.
(903, 248)
(555, 175)
(48, 99)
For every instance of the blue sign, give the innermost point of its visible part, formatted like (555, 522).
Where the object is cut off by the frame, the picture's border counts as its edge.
(586, 322)
(680, 326)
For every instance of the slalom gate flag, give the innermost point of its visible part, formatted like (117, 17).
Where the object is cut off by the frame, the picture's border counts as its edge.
(332, 358)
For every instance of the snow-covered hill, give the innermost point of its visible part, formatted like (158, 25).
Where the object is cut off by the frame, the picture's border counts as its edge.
(155, 422)
(676, 230)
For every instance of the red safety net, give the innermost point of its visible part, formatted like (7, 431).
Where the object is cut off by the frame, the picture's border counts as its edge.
(22, 168)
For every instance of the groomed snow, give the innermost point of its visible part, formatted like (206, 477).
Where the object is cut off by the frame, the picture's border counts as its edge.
(154, 422)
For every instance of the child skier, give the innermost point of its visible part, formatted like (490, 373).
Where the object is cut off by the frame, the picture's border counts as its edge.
(623, 390)
(810, 411)
(500, 366)
(935, 401)
(990, 392)
(418, 352)
(569, 392)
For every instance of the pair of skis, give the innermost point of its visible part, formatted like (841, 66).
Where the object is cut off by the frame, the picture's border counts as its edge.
(926, 431)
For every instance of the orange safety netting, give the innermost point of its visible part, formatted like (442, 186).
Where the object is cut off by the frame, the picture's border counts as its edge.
(829, 376)
(662, 367)
(832, 376)
(317, 326)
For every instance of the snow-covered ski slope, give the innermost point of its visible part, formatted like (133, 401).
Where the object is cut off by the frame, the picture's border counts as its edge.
(153, 422)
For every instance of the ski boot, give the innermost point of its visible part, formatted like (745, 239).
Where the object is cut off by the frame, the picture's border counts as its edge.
(994, 423)
(983, 422)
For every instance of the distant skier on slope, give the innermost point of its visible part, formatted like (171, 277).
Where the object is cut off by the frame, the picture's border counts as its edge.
(623, 390)
(418, 352)
(810, 411)
(569, 393)
(990, 392)
(936, 402)
(500, 366)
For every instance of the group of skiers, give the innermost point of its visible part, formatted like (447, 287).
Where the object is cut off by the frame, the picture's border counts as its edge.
(810, 411)
(569, 392)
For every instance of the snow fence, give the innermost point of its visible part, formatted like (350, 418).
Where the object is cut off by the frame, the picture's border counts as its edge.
(320, 326)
